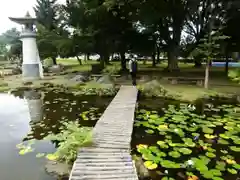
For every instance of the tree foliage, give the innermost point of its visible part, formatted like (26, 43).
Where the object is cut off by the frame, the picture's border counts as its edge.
(143, 27)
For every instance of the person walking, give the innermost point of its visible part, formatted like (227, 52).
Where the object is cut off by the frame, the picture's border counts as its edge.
(133, 69)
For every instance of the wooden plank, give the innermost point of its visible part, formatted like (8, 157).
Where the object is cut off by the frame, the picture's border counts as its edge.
(109, 157)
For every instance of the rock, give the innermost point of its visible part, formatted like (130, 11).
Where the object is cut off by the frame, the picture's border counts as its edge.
(79, 78)
(27, 83)
(106, 79)
(55, 68)
(16, 70)
(141, 169)
(57, 169)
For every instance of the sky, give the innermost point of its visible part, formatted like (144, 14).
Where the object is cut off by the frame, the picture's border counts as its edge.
(14, 8)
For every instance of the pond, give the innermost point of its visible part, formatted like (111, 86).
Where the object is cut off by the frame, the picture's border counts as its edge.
(26, 115)
(198, 141)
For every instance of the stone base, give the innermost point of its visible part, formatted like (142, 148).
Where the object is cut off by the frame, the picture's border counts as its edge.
(30, 72)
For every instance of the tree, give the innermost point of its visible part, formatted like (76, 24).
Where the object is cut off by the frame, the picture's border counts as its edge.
(210, 47)
(199, 19)
(47, 15)
(11, 38)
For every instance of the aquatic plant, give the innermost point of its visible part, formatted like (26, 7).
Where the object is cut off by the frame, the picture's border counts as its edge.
(69, 140)
(203, 144)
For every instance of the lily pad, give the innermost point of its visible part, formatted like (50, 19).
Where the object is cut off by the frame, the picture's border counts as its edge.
(170, 164)
(235, 148)
(236, 166)
(232, 171)
(52, 157)
(149, 131)
(189, 142)
(222, 141)
(162, 144)
(207, 130)
(174, 154)
(210, 155)
(220, 165)
(224, 136)
(150, 165)
(224, 151)
(208, 136)
(167, 178)
(185, 151)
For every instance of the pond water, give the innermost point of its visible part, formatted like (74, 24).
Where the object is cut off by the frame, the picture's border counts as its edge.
(178, 141)
(28, 115)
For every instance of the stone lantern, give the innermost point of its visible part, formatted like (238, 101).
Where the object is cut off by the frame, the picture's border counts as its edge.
(32, 68)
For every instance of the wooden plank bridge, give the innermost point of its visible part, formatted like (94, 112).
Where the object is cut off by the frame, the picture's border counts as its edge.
(109, 157)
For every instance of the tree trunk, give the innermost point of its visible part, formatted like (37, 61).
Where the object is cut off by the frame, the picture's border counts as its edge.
(197, 63)
(85, 58)
(106, 58)
(54, 59)
(227, 64)
(79, 60)
(158, 55)
(123, 61)
(88, 56)
(172, 59)
(154, 59)
(206, 80)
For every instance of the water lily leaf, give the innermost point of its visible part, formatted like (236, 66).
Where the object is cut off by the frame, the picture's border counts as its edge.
(195, 134)
(26, 150)
(207, 130)
(220, 165)
(208, 136)
(235, 148)
(189, 142)
(217, 123)
(236, 166)
(204, 159)
(150, 165)
(170, 164)
(52, 157)
(200, 164)
(39, 155)
(207, 174)
(167, 178)
(162, 144)
(174, 154)
(148, 156)
(162, 127)
(236, 141)
(224, 151)
(222, 141)
(185, 151)
(154, 116)
(162, 133)
(149, 131)
(232, 171)
(224, 136)
(154, 149)
(229, 128)
(215, 172)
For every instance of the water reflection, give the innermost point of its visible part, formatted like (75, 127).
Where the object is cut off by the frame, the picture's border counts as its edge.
(35, 104)
(14, 120)
(28, 114)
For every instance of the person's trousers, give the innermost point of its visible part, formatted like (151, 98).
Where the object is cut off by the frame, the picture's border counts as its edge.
(134, 78)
